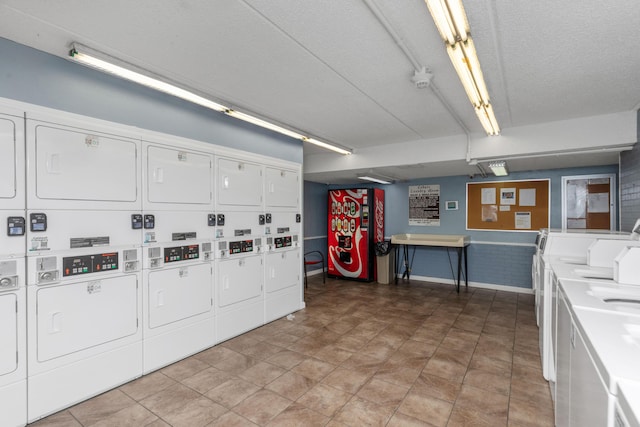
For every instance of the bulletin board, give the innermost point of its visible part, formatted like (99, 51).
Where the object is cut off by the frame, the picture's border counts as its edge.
(508, 205)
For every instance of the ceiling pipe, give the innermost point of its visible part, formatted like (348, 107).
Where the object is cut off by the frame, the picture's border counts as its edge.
(373, 7)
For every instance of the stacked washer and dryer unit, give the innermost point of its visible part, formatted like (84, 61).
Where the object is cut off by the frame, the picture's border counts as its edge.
(178, 226)
(127, 250)
(258, 261)
(84, 297)
(13, 348)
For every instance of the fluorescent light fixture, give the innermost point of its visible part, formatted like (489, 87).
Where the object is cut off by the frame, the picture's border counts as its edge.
(499, 168)
(262, 123)
(374, 179)
(326, 145)
(453, 26)
(91, 58)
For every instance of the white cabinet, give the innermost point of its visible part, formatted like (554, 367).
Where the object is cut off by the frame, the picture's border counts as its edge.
(582, 398)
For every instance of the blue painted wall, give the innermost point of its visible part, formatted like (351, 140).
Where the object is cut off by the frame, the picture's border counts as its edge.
(495, 257)
(35, 77)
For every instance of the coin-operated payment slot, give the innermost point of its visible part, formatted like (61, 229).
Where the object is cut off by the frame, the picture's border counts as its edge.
(241, 246)
(181, 253)
(86, 264)
(15, 226)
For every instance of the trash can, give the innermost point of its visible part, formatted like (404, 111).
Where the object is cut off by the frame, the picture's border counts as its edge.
(385, 262)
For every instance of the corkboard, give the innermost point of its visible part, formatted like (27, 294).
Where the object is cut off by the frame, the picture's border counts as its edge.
(501, 215)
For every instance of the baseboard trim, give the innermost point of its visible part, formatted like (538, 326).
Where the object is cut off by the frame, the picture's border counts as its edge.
(480, 285)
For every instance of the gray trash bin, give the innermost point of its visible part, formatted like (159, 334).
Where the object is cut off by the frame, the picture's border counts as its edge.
(385, 262)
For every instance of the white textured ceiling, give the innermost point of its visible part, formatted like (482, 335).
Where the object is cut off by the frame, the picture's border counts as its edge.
(331, 69)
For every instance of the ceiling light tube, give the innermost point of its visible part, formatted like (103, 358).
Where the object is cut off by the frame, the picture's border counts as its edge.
(326, 145)
(469, 51)
(459, 18)
(492, 118)
(79, 54)
(262, 123)
(86, 56)
(374, 179)
(461, 66)
(441, 17)
(499, 168)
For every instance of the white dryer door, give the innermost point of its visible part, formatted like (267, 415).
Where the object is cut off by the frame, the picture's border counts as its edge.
(8, 333)
(176, 176)
(77, 165)
(179, 293)
(239, 183)
(8, 171)
(282, 188)
(79, 316)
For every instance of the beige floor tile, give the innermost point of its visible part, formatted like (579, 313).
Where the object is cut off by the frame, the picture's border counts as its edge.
(232, 392)
(236, 363)
(438, 387)
(291, 385)
(102, 406)
(398, 375)
(196, 412)
(286, 359)
(231, 419)
(262, 373)
(59, 419)
(488, 381)
(169, 400)
(426, 408)
(147, 385)
(206, 380)
(529, 414)
(136, 415)
(262, 350)
(348, 380)
(490, 364)
(332, 354)
(314, 369)
(214, 355)
(184, 368)
(401, 420)
(383, 392)
(324, 399)
(361, 412)
(298, 415)
(262, 406)
(475, 400)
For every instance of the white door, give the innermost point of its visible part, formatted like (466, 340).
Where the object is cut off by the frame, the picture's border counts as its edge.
(178, 293)
(82, 315)
(178, 176)
(588, 202)
(8, 333)
(282, 189)
(282, 270)
(239, 279)
(239, 183)
(75, 164)
(8, 159)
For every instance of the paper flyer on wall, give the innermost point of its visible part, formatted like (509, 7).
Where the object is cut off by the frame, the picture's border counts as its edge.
(424, 205)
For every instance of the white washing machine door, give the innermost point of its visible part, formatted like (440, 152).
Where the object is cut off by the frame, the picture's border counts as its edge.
(8, 333)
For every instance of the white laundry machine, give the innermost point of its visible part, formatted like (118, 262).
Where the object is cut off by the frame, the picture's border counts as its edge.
(283, 263)
(283, 258)
(13, 350)
(84, 233)
(178, 230)
(570, 248)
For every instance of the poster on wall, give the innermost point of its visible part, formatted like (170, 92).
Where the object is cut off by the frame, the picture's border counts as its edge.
(424, 205)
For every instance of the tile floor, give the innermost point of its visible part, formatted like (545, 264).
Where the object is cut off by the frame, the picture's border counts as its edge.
(359, 354)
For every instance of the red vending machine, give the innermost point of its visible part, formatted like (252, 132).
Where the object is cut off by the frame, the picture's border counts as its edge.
(356, 223)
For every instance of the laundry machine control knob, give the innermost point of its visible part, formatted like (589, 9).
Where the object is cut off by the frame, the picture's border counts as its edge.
(5, 282)
(46, 276)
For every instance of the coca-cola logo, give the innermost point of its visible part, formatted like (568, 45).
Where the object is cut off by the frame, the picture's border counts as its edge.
(379, 214)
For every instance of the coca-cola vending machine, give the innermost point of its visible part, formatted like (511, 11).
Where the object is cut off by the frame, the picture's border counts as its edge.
(356, 223)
